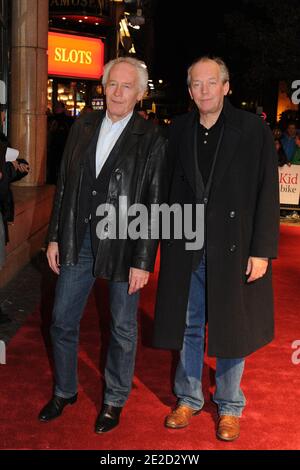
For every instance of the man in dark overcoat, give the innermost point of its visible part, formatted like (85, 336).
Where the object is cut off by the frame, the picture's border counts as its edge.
(223, 158)
(112, 162)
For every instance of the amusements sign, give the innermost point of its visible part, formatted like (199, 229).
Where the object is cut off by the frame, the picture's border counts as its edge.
(93, 7)
(289, 184)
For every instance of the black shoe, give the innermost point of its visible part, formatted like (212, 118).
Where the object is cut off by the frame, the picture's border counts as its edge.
(108, 418)
(55, 407)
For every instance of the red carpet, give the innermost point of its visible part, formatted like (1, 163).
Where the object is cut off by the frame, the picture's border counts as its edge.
(271, 381)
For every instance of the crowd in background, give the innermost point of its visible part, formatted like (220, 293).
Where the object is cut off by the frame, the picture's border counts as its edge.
(288, 150)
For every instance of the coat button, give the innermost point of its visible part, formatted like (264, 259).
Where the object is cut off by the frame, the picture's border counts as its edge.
(232, 248)
(86, 220)
(232, 214)
(205, 200)
(94, 193)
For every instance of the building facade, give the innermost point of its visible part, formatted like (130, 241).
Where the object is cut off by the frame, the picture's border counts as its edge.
(28, 86)
(4, 61)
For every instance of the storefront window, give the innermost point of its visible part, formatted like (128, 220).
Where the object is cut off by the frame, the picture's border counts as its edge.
(75, 95)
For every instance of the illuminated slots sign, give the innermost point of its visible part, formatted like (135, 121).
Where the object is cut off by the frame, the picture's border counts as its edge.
(75, 56)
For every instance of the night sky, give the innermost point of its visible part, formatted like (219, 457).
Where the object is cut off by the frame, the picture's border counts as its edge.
(258, 39)
(183, 34)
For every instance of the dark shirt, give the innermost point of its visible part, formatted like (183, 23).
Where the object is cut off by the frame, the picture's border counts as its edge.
(207, 144)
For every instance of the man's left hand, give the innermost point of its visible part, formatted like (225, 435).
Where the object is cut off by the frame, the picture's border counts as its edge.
(138, 278)
(256, 268)
(22, 167)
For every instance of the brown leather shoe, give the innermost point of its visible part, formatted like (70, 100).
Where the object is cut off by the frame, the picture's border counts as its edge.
(228, 427)
(180, 417)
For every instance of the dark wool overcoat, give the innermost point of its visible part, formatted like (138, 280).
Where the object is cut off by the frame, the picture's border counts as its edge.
(242, 220)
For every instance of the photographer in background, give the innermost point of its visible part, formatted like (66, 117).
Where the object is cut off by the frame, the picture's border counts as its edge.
(9, 172)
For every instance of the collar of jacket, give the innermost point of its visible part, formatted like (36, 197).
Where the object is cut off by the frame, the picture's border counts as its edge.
(232, 117)
(90, 124)
(227, 150)
(138, 124)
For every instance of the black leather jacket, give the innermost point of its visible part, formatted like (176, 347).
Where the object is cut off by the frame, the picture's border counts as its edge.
(9, 175)
(139, 174)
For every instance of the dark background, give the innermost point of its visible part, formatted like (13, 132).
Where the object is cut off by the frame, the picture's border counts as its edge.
(258, 39)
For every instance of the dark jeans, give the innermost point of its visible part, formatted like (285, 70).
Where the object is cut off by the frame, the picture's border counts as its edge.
(188, 379)
(72, 290)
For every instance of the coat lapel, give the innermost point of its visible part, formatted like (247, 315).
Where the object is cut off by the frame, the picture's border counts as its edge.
(188, 151)
(229, 145)
(128, 139)
(89, 137)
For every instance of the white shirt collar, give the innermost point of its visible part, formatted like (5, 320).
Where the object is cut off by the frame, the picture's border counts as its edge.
(121, 123)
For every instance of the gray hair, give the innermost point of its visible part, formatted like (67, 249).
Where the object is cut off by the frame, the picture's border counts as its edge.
(140, 67)
(223, 68)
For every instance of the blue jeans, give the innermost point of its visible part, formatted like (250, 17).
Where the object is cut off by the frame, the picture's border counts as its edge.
(188, 387)
(72, 290)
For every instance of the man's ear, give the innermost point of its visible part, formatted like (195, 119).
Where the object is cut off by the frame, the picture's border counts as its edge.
(226, 88)
(191, 94)
(140, 96)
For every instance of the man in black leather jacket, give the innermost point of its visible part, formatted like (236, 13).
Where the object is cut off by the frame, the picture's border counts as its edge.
(108, 156)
